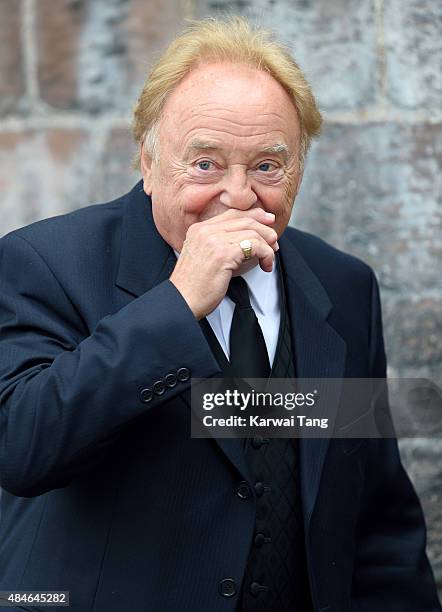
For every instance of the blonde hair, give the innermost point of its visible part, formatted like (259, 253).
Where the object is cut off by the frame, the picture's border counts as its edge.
(215, 40)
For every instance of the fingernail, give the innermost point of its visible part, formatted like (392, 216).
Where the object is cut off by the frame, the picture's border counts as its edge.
(277, 246)
(270, 216)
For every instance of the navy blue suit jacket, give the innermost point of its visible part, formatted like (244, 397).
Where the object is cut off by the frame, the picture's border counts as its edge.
(108, 496)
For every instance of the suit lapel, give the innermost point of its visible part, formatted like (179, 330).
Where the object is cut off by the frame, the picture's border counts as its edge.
(145, 258)
(319, 353)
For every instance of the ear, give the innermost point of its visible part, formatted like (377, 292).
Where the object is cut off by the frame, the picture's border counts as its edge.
(146, 170)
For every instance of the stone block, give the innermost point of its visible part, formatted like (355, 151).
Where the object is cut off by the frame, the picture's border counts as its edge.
(12, 86)
(334, 43)
(113, 174)
(413, 53)
(373, 190)
(413, 328)
(58, 39)
(94, 55)
(43, 173)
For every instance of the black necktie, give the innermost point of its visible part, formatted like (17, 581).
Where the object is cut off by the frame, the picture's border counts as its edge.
(248, 351)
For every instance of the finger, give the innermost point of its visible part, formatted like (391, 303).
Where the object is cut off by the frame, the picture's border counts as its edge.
(205, 231)
(266, 256)
(236, 237)
(260, 249)
(248, 224)
(233, 213)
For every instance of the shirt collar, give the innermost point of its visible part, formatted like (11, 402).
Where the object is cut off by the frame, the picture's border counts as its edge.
(262, 285)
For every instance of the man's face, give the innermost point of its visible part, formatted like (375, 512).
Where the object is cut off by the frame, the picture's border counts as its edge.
(228, 138)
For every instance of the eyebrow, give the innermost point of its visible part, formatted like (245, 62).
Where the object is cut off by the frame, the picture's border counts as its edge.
(277, 148)
(204, 145)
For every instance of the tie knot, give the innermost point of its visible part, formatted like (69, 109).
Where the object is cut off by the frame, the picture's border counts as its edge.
(238, 292)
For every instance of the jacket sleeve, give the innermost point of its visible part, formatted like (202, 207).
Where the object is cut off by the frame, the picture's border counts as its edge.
(392, 572)
(65, 395)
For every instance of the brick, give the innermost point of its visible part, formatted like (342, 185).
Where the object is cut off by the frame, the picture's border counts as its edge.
(413, 52)
(12, 87)
(43, 174)
(57, 34)
(372, 191)
(334, 43)
(149, 27)
(113, 174)
(94, 56)
(414, 330)
(422, 460)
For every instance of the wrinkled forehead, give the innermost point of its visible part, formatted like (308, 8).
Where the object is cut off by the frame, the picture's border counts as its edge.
(232, 100)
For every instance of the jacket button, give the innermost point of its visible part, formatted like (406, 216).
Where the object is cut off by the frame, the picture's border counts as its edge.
(261, 539)
(227, 587)
(170, 380)
(259, 489)
(159, 387)
(258, 441)
(183, 374)
(256, 589)
(243, 489)
(146, 395)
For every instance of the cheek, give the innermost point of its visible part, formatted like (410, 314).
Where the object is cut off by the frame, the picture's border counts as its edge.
(161, 213)
(280, 203)
(178, 207)
(195, 200)
(277, 201)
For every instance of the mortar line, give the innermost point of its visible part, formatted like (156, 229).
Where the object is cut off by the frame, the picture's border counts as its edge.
(75, 120)
(29, 48)
(189, 9)
(381, 52)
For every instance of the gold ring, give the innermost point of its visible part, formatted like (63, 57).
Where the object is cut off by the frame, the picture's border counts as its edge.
(246, 248)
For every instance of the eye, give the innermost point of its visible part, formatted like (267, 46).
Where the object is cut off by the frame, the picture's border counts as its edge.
(204, 164)
(266, 167)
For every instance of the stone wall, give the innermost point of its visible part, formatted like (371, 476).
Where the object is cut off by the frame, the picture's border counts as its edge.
(70, 71)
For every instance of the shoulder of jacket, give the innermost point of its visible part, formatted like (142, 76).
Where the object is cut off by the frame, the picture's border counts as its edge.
(320, 255)
(75, 227)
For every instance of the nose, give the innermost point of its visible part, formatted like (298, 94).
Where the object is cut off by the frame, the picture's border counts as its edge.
(237, 191)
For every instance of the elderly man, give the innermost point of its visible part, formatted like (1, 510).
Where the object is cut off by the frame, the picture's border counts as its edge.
(107, 313)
